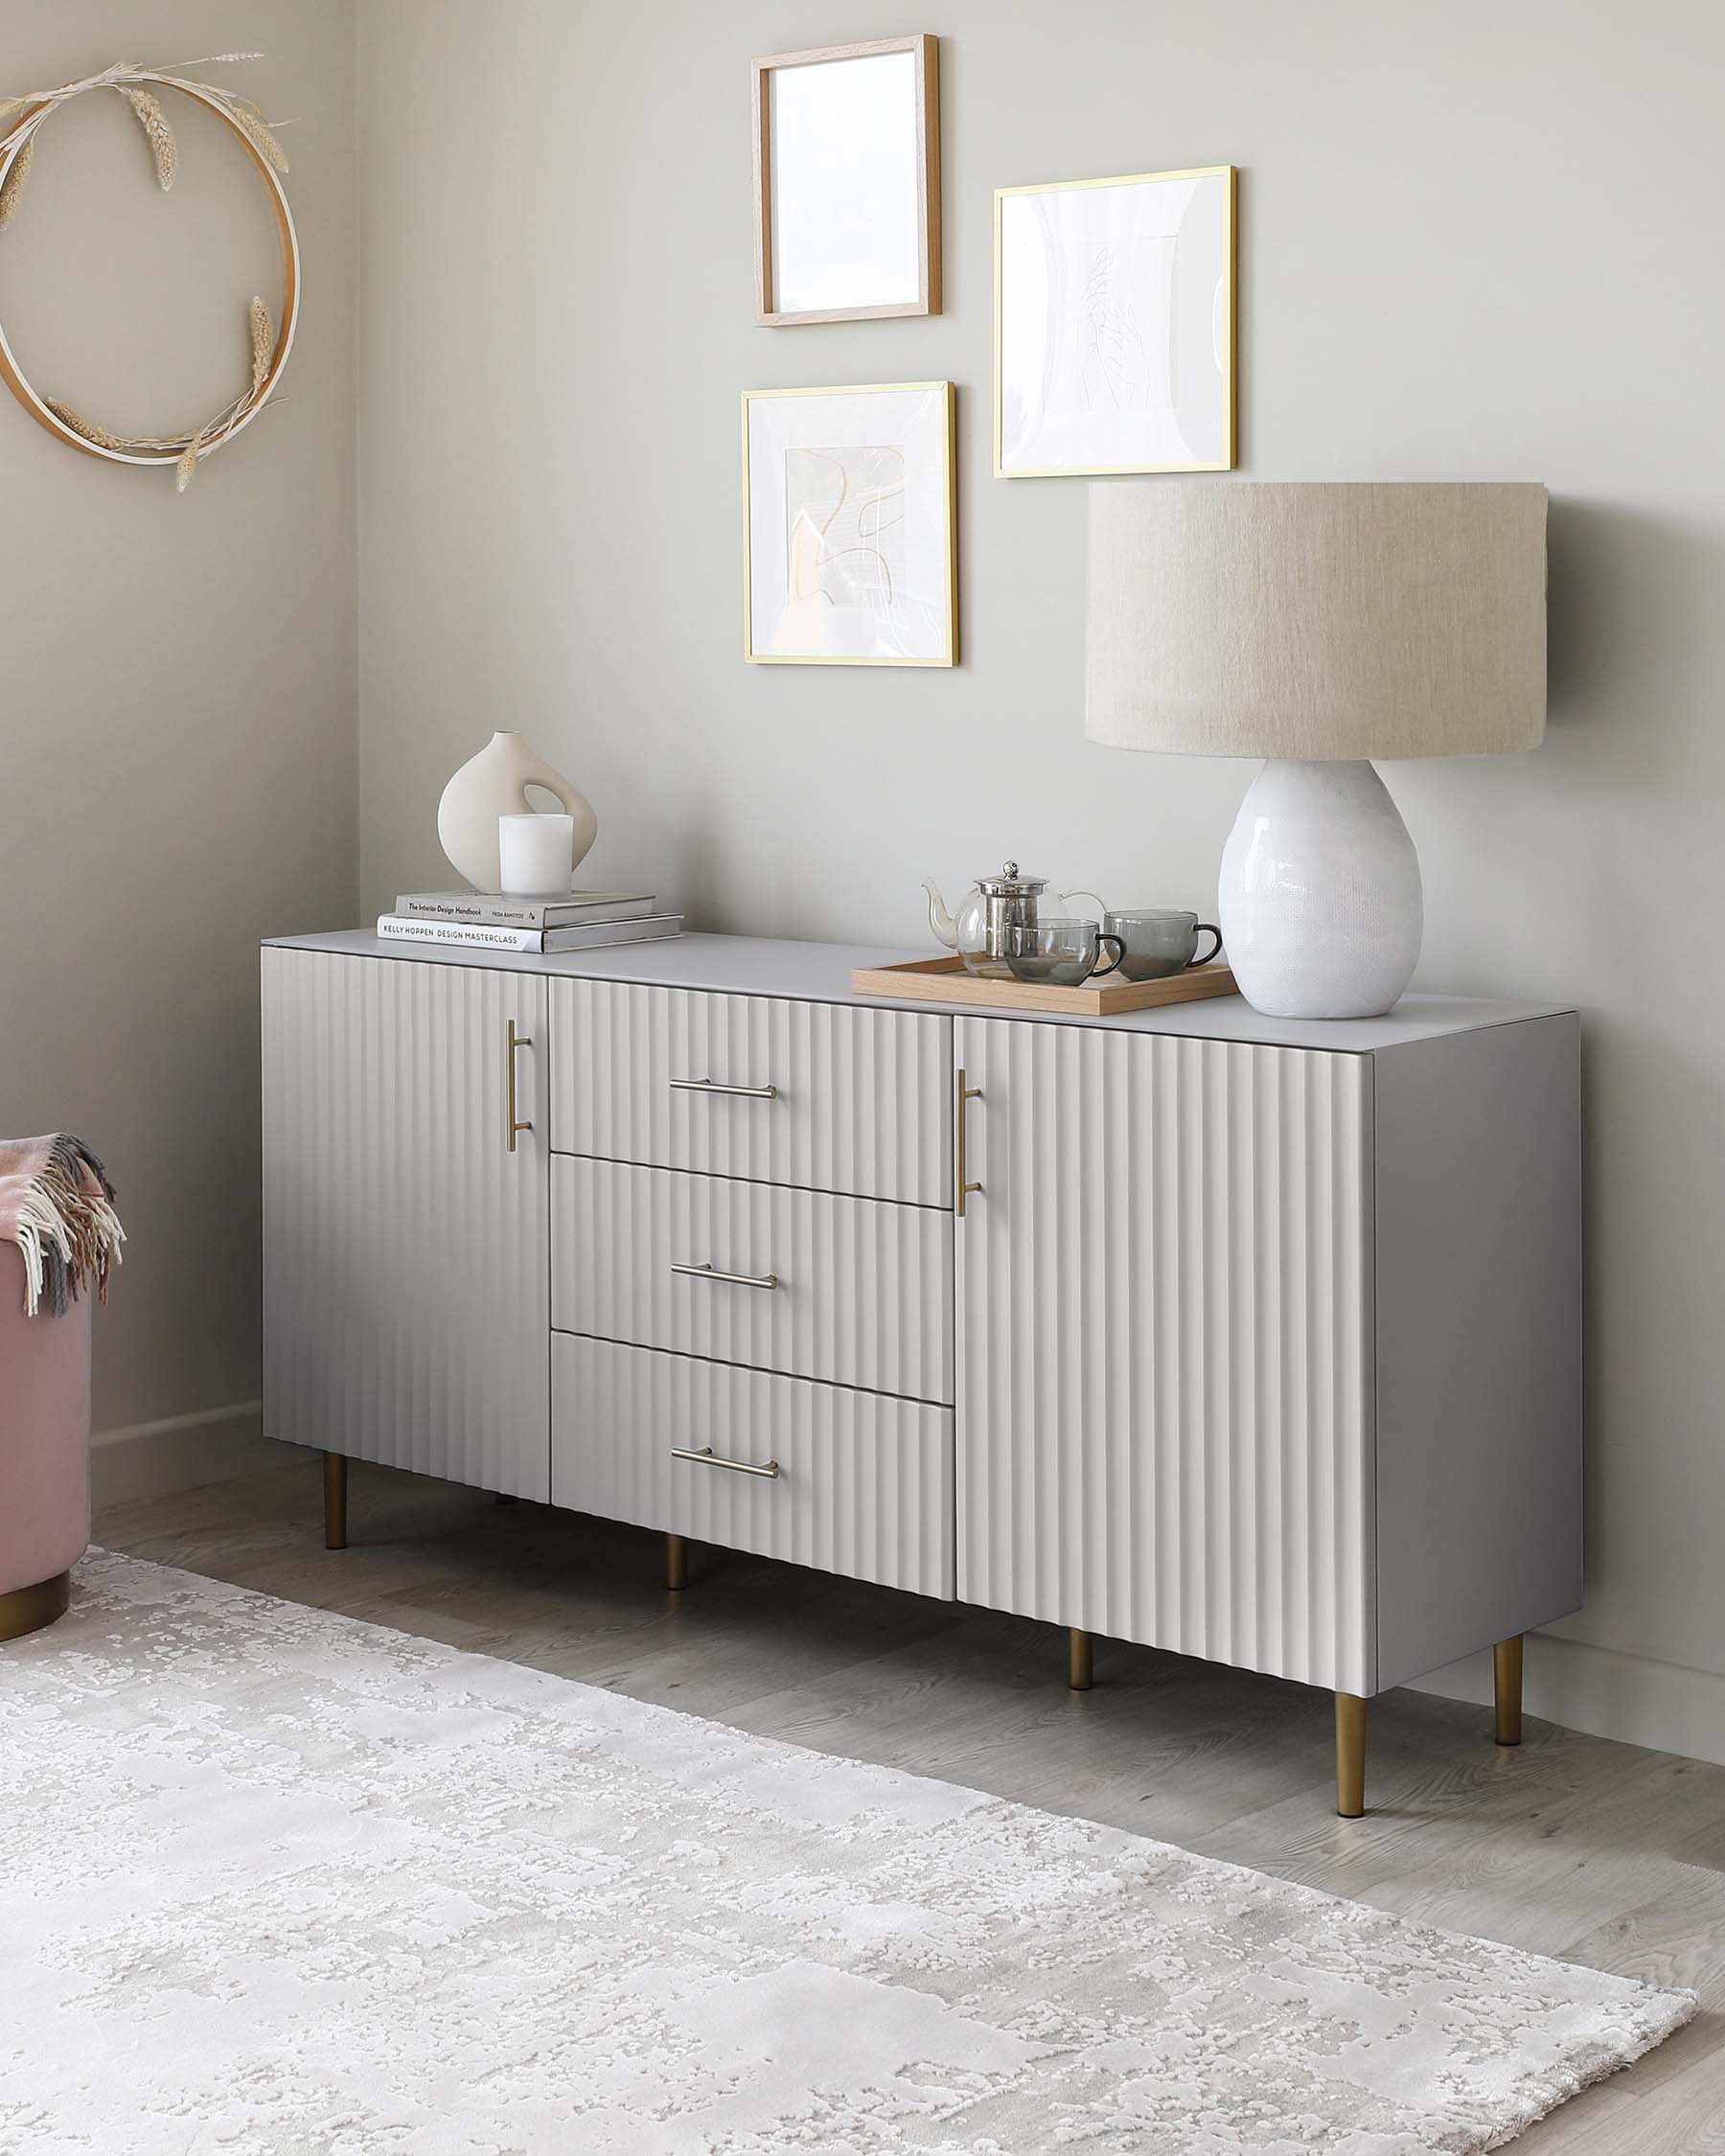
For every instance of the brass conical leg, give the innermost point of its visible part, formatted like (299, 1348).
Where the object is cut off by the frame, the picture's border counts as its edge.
(1350, 1755)
(676, 1563)
(336, 1506)
(1507, 1685)
(1079, 1661)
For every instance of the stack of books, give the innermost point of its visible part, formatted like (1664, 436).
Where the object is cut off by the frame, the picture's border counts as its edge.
(581, 922)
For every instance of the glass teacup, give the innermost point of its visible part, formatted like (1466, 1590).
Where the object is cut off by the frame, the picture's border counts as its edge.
(1064, 951)
(1159, 940)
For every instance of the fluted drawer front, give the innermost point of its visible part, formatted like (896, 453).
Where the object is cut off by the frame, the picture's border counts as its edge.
(861, 1290)
(405, 1280)
(859, 1098)
(865, 1483)
(1164, 1389)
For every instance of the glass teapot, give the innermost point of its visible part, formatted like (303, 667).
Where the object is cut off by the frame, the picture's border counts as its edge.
(996, 919)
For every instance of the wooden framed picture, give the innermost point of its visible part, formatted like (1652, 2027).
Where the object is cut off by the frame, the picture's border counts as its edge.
(849, 526)
(847, 182)
(1114, 324)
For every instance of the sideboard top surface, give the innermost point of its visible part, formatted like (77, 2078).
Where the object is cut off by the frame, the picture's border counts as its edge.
(821, 972)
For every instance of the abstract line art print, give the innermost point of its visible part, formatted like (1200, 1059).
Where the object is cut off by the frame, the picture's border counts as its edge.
(1114, 301)
(850, 548)
(844, 527)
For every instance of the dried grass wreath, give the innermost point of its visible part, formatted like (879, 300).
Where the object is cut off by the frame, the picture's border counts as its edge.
(269, 348)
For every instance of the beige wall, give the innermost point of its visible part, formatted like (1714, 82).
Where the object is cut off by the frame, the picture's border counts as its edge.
(1476, 244)
(178, 684)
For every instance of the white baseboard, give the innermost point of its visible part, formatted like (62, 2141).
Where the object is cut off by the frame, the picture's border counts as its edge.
(1638, 1701)
(181, 1453)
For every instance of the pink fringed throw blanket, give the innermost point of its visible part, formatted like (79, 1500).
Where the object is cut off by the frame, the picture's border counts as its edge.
(56, 1206)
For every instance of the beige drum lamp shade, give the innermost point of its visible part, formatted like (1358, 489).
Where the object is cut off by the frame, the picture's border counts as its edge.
(1229, 618)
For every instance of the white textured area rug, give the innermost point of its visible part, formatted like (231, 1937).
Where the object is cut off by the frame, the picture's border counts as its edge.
(272, 1880)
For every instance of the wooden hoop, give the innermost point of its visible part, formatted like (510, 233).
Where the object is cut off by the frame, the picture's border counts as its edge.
(18, 382)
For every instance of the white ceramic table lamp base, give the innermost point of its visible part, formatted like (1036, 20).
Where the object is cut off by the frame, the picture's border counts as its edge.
(1317, 625)
(1320, 907)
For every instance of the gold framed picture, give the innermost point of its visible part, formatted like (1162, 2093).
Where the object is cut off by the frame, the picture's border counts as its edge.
(1114, 324)
(847, 182)
(850, 553)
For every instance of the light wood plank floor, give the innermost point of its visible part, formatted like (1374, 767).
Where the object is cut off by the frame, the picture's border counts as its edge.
(1569, 1846)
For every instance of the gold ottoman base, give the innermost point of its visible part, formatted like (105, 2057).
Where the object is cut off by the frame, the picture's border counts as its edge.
(27, 1609)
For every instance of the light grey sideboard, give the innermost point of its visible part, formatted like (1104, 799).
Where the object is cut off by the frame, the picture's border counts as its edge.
(1254, 1339)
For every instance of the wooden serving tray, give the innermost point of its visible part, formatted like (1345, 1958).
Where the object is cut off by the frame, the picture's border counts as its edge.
(945, 980)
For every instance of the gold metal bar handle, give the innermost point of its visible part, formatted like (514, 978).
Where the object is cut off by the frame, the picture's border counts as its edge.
(963, 1189)
(516, 1041)
(713, 1086)
(707, 1457)
(734, 1279)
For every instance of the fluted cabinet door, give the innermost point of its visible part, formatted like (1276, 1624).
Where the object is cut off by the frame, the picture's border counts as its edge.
(407, 1283)
(1163, 1386)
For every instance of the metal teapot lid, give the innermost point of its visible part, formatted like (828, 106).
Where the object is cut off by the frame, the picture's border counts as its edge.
(1009, 884)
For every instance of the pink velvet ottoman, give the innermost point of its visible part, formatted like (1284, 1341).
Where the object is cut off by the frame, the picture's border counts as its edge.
(44, 1451)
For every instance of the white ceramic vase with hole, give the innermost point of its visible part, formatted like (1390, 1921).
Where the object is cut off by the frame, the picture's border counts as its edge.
(1320, 899)
(494, 783)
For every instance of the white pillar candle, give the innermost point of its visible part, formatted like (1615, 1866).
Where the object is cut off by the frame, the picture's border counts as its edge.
(537, 856)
